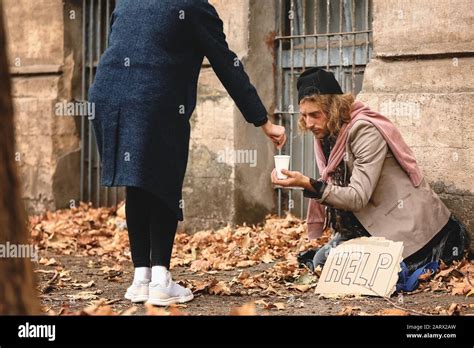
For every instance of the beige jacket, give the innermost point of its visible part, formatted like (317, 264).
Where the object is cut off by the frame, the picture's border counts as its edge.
(381, 195)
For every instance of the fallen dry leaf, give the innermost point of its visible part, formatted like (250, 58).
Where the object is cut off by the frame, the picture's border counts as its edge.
(130, 311)
(349, 311)
(471, 292)
(393, 311)
(261, 303)
(152, 310)
(425, 276)
(246, 309)
(200, 266)
(174, 311)
(279, 305)
(454, 309)
(171, 311)
(98, 310)
(83, 285)
(47, 262)
(220, 288)
(121, 211)
(267, 258)
(246, 263)
(301, 288)
(85, 295)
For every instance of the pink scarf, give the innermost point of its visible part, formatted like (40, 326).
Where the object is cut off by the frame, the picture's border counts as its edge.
(316, 211)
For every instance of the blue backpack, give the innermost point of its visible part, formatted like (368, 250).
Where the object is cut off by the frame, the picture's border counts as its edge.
(409, 282)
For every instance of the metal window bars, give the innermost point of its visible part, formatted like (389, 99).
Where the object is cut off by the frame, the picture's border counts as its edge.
(332, 34)
(95, 34)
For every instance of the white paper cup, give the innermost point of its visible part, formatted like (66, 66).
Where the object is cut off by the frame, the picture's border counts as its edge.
(282, 162)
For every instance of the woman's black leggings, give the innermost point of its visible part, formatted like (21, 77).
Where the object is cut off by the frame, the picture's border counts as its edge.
(151, 228)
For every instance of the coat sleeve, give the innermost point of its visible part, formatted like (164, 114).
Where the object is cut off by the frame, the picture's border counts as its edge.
(369, 149)
(207, 29)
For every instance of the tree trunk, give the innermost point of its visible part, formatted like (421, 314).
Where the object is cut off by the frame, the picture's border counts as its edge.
(18, 294)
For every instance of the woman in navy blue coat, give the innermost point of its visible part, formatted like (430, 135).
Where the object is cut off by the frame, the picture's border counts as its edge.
(144, 94)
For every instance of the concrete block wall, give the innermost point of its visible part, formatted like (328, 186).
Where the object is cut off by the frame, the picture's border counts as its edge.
(42, 72)
(422, 77)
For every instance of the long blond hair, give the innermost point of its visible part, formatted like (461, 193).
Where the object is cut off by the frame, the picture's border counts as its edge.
(337, 108)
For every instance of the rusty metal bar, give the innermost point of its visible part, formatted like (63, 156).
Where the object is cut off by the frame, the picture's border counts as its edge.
(91, 78)
(367, 28)
(353, 47)
(315, 31)
(328, 22)
(280, 92)
(341, 17)
(287, 37)
(83, 97)
(107, 32)
(99, 52)
(304, 31)
(303, 138)
(315, 34)
(291, 99)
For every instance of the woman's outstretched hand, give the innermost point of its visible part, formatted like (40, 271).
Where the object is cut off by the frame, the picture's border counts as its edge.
(276, 134)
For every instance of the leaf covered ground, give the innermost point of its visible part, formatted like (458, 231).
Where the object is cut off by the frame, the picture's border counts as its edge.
(85, 268)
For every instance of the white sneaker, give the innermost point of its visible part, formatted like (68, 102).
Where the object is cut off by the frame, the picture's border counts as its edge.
(165, 295)
(138, 291)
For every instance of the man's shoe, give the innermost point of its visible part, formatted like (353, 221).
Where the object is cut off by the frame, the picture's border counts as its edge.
(305, 258)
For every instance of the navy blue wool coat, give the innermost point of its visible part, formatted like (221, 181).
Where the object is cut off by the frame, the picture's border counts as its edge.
(145, 91)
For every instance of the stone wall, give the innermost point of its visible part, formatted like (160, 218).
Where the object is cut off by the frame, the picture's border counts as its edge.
(42, 74)
(422, 76)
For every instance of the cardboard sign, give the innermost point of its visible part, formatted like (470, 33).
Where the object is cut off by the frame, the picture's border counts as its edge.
(362, 266)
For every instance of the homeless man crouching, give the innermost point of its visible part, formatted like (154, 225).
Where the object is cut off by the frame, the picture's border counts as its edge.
(370, 183)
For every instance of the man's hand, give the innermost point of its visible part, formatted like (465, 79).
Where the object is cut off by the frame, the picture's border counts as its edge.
(275, 133)
(294, 179)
